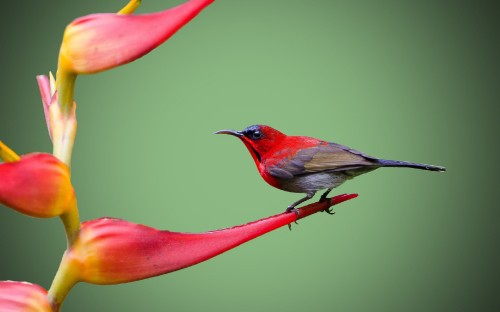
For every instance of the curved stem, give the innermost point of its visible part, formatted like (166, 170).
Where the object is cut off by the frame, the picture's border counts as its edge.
(71, 221)
(66, 277)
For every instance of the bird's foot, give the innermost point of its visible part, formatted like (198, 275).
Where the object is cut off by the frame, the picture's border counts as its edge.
(292, 208)
(322, 199)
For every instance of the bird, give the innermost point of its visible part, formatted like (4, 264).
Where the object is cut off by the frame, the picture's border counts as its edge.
(302, 164)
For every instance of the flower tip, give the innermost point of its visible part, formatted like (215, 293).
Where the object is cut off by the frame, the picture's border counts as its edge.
(40, 77)
(7, 154)
(130, 7)
(342, 198)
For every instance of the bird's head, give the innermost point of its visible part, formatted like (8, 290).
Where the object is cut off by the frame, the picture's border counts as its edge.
(258, 139)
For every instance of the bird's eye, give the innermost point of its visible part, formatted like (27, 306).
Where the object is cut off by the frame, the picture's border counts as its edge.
(257, 135)
(253, 133)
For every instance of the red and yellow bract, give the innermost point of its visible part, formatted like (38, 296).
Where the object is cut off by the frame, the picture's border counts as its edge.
(111, 251)
(37, 185)
(23, 296)
(101, 41)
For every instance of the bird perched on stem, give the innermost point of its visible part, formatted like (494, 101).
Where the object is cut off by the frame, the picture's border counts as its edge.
(303, 164)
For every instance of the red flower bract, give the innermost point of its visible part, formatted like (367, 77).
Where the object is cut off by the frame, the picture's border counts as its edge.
(37, 185)
(22, 296)
(101, 41)
(111, 251)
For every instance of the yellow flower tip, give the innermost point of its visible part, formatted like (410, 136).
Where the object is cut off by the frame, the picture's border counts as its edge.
(52, 84)
(130, 7)
(6, 154)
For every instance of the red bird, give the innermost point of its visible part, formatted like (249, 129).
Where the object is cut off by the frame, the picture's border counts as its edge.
(302, 164)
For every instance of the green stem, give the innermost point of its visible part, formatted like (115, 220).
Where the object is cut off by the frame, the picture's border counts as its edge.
(66, 277)
(71, 221)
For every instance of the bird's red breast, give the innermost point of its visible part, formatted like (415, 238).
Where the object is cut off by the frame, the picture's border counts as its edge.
(283, 152)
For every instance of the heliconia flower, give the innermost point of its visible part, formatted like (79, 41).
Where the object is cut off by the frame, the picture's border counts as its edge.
(38, 185)
(101, 41)
(97, 42)
(23, 296)
(111, 251)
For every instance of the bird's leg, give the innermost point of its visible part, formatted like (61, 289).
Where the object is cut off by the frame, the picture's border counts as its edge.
(323, 198)
(292, 207)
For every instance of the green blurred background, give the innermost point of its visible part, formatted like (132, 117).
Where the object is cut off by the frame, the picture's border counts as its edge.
(410, 80)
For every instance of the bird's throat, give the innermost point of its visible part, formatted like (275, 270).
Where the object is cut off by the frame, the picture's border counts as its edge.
(255, 154)
(253, 151)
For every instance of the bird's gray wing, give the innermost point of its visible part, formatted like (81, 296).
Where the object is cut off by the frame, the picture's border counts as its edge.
(329, 157)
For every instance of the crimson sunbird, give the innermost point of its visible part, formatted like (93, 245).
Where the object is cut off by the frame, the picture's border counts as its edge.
(302, 164)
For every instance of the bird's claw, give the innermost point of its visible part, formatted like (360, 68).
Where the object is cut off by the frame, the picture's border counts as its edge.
(290, 225)
(329, 211)
(292, 208)
(322, 199)
(296, 211)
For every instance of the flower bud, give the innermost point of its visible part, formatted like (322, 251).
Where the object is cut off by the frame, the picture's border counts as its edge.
(23, 296)
(37, 185)
(102, 41)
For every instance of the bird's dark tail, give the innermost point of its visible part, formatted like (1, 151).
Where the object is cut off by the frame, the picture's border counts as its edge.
(399, 163)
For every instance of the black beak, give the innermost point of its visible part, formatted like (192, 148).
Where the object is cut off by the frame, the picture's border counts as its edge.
(231, 132)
